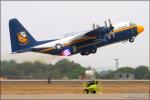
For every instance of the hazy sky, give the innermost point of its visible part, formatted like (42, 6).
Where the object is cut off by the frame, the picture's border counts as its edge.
(52, 19)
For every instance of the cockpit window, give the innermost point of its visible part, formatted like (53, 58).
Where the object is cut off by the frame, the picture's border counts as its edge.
(132, 24)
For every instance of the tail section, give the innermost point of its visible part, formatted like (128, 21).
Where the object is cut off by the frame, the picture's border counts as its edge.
(20, 37)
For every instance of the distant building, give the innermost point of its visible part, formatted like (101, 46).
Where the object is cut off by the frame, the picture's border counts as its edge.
(123, 76)
(65, 78)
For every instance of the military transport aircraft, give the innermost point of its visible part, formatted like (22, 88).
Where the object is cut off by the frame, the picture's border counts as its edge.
(84, 43)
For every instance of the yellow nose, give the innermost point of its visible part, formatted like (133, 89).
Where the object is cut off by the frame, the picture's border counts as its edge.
(140, 29)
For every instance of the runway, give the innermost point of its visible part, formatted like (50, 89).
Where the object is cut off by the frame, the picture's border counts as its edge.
(77, 96)
(73, 90)
(71, 80)
(71, 86)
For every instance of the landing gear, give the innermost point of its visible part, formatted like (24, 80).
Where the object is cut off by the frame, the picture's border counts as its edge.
(89, 52)
(131, 40)
(93, 51)
(85, 53)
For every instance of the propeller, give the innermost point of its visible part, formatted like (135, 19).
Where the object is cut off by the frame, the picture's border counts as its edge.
(111, 26)
(97, 26)
(94, 26)
(105, 23)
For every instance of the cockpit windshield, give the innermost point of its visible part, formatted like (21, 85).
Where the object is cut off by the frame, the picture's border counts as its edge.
(132, 23)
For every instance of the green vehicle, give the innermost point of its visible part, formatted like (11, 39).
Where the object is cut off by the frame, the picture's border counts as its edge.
(91, 87)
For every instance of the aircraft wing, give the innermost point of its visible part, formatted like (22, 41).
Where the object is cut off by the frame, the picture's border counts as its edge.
(87, 34)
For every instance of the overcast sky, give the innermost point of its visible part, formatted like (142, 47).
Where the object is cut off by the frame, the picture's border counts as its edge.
(52, 19)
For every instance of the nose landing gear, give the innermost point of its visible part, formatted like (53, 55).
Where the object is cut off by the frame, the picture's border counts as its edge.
(131, 40)
(93, 51)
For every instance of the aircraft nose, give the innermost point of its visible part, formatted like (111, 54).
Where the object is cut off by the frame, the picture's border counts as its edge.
(140, 28)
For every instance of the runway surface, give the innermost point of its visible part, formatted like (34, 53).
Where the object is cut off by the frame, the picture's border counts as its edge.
(71, 80)
(77, 96)
(73, 90)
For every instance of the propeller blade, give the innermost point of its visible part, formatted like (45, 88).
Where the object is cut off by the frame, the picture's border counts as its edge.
(97, 26)
(111, 26)
(93, 26)
(105, 23)
(109, 21)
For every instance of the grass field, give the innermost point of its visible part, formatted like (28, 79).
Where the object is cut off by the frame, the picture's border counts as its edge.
(72, 87)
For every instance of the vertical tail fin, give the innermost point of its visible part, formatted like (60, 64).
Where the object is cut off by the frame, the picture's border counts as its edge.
(20, 37)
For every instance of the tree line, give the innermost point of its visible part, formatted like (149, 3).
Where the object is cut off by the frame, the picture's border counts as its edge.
(62, 69)
(38, 70)
(140, 72)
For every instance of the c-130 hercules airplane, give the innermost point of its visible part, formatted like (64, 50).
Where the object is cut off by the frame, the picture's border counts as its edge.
(84, 43)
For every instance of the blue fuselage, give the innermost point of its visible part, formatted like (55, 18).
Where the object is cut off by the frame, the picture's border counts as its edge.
(98, 41)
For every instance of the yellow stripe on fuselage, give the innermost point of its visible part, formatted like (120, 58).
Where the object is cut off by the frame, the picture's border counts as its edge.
(125, 28)
(45, 50)
(85, 38)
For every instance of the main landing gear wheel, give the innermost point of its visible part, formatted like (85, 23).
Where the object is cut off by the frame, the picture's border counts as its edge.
(58, 46)
(85, 53)
(89, 52)
(131, 40)
(94, 50)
